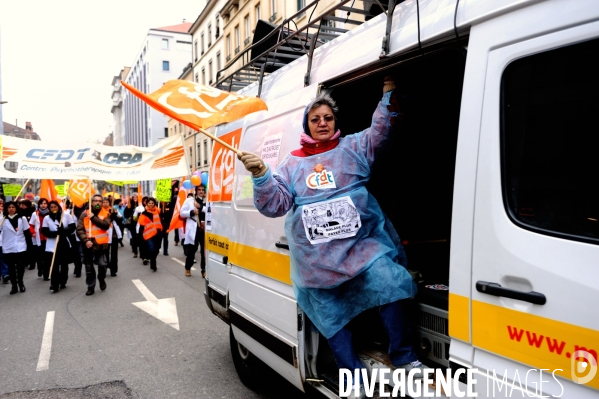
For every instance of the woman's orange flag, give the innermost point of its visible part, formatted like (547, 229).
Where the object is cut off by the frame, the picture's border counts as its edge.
(199, 106)
(177, 222)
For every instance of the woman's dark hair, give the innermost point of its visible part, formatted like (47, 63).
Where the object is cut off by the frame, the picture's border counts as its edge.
(117, 201)
(148, 199)
(39, 202)
(26, 202)
(144, 200)
(321, 99)
(9, 203)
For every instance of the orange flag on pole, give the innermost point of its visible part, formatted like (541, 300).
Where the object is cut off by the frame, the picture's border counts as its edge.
(48, 191)
(80, 192)
(177, 222)
(199, 106)
(139, 191)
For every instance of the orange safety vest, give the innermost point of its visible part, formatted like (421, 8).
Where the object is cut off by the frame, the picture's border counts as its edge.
(151, 227)
(100, 235)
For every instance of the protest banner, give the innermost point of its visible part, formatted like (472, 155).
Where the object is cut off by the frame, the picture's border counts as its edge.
(163, 190)
(11, 189)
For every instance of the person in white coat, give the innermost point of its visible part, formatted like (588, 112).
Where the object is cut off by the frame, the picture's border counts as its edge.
(58, 245)
(39, 240)
(15, 229)
(191, 210)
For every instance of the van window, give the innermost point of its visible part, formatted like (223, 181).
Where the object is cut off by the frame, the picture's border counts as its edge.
(550, 142)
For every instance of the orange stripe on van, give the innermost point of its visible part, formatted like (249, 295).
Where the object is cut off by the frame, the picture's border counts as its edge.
(459, 317)
(261, 261)
(533, 340)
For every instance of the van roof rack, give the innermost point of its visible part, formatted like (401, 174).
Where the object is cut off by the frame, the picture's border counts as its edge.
(276, 46)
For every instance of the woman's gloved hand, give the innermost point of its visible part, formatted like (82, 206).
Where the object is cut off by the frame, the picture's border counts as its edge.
(253, 163)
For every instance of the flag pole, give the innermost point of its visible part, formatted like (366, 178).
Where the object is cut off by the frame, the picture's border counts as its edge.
(226, 145)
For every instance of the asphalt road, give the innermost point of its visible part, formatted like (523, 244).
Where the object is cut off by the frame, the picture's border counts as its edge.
(103, 346)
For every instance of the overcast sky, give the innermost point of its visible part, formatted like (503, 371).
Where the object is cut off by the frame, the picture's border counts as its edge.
(58, 58)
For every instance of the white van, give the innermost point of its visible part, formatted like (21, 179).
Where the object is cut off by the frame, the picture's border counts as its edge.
(492, 184)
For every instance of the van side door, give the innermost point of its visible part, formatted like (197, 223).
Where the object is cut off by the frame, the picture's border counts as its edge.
(535, 260)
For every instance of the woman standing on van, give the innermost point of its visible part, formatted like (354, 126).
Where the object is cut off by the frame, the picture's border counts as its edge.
(55, 231)
(150, 228)
(346, 256)
(15, 230)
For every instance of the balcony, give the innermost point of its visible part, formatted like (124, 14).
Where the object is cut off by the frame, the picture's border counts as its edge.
(246, 41)
(236, 49)
(273, 17)
(209, 44)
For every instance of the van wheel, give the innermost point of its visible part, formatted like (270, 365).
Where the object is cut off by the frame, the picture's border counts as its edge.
(251, 370)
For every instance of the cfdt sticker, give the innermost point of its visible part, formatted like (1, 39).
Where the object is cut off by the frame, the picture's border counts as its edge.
(321, 180)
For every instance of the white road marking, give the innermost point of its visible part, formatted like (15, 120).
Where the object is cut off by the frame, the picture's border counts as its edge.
(182, 263)
(44, 360)
(164, 309)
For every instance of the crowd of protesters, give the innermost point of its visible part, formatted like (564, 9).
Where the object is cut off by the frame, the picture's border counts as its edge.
(46, 237)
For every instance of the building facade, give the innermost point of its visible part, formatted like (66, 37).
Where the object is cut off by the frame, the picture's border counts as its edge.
(164, 53)
(207, 40)
(117, 107)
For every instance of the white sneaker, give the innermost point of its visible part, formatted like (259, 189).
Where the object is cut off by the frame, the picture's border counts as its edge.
(416, 364)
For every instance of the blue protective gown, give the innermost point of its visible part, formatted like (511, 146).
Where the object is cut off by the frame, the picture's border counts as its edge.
(334, 280)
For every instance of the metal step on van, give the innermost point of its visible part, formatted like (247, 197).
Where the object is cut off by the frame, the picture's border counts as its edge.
(491, 183)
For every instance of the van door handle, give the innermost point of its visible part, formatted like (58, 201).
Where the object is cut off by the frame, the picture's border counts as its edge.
(281, 245)
(495, 289)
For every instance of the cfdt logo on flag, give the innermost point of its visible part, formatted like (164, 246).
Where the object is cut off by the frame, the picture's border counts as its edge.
(222, 168)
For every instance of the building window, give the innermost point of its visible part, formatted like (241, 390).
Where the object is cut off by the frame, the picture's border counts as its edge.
(196, 78)
(273, 10)
(166, 66)
(257, 11)
(209, 35)
(190, 155)
(195, 50)
(210, 72)
(218, 64)
(549, 158)
(205, 152)
(301, 4)
(203, 76)
(202, 42)
(237, 39)
(166, 132)
(246, 23)
(216, 27)
(228, 47)
(165, 44)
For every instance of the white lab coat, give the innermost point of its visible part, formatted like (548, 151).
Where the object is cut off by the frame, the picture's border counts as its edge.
(13, 241)
(53, 226)
(190, 220)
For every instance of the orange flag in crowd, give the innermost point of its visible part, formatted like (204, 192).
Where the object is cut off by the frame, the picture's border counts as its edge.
(177, 222)
(48, 191)
(139, 192)
(199, 106)
(80, 191)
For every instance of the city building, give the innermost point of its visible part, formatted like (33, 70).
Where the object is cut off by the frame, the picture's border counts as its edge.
(198, 147)
(163, 54)
(207, 40)
(117, 107)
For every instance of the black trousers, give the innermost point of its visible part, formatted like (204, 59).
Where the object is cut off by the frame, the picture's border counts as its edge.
(190, 255)
(134, 239)
(41, 259)
(113, 263)
(77, 256)
(93, 259)
(152, 248)
(203, 253)
(16, 267)
(60, 270)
